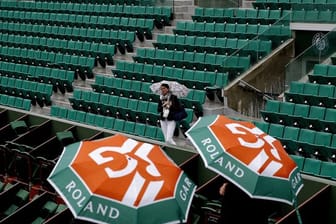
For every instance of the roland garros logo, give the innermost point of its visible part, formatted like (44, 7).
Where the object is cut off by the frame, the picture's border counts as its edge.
(252, 146)
(270, 161)
(124, 170)
(143, 183)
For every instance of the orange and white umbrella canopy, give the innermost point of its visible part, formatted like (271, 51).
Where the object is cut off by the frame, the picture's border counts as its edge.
(121, 180)
(251, 159)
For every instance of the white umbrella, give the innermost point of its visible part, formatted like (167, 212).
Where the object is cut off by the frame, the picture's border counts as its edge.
(175, 88)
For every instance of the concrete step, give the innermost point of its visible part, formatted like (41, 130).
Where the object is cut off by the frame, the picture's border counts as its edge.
(127, 56)
(183, 9)
(40, 110)
(169, 29)
(183, 2)
(186, 9)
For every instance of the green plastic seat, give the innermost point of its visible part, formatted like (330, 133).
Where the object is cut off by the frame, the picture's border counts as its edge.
(322, 144)
(306, 142)
(19, 126)
(312, 166)
(295, 92)
(289, 139)
(65, 137)
(328, 170)
(276, 130)
(271, 107)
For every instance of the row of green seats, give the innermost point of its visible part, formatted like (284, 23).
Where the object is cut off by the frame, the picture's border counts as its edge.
(193, 79)
(323, 74)
(19, 199)
(305, 142)
(124, 87)
(233, 65)
(116, 106)
(102, 52)
(80, 64)
(316, 167)
(288, 132)
(107, 122)
(15, 101)
(256, 48)
(161, 14)
(36, 92)
(59, 78)
(276, 33)
(122, 39)
(114, 2)
(141, 90)
(142, 27)
(239, 15)
(295, 4)
(313, 94)
(316, 16)
(46, 211)
(300, 115)
(4, 185)
(121, 107)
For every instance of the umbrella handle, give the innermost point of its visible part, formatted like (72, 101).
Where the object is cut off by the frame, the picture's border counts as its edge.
(298, 215)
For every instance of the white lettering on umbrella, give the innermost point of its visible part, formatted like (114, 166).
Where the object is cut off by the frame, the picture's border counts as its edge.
(296, 180)
(78, 196)
(185, 189)
(212, 149)
(260, 160)
(143, 152)
(133, 189)
(128, 146)
(89, 207)
(272, 168)
(262, 157)
(269, 139)
(104, 210)
(138, 182)
(232, 167)
(136, 187)
(220, 161)
(256, 131)
(151, 192)
(76, 193)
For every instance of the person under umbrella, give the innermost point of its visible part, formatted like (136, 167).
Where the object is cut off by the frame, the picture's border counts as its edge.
(239, 208)
(249, 158)
(167, 106)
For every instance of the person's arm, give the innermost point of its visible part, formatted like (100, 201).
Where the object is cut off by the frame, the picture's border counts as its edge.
(175, 104)
(160, 108)
(223, 188)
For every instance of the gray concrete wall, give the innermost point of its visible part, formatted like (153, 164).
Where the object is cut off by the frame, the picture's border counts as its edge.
(268, 76)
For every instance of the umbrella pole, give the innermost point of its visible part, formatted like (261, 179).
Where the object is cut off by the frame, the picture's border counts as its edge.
(298, 215)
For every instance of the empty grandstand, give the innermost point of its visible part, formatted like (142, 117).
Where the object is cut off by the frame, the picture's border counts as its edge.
(81, 70)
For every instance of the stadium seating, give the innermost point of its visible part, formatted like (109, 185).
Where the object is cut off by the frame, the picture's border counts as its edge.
(47, 45)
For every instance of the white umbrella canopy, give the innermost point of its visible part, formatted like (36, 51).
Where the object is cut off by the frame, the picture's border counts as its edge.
(175, 88)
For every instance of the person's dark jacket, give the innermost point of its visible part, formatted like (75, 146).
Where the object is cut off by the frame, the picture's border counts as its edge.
(175, 106)
(239, 208)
